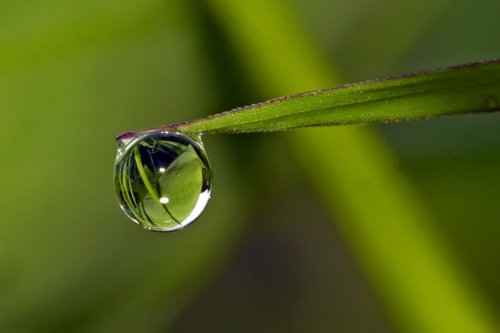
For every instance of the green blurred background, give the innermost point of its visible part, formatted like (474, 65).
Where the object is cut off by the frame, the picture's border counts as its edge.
(265, 255)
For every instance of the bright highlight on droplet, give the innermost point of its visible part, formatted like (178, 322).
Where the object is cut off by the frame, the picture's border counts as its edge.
(169, 197)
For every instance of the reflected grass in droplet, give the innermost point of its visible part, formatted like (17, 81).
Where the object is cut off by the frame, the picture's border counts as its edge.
(162, 179)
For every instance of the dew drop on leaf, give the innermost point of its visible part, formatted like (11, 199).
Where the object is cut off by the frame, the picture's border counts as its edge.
(163, 179)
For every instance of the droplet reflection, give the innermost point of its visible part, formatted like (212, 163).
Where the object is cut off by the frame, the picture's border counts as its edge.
(163, 179)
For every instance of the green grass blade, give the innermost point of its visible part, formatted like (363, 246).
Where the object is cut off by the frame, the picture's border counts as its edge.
(378, 211)
(469, 88)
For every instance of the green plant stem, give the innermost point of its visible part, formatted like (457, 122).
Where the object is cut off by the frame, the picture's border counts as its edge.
(469, 88)
(377, 209)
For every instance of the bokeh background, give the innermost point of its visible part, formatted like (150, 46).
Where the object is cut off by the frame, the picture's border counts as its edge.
(267, 254)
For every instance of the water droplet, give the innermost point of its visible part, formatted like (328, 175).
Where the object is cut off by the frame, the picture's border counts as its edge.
(163, 179)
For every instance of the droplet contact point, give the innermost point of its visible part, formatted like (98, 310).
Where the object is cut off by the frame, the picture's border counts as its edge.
(163, 179)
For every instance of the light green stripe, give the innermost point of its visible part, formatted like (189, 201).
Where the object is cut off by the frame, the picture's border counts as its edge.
(376, 208)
